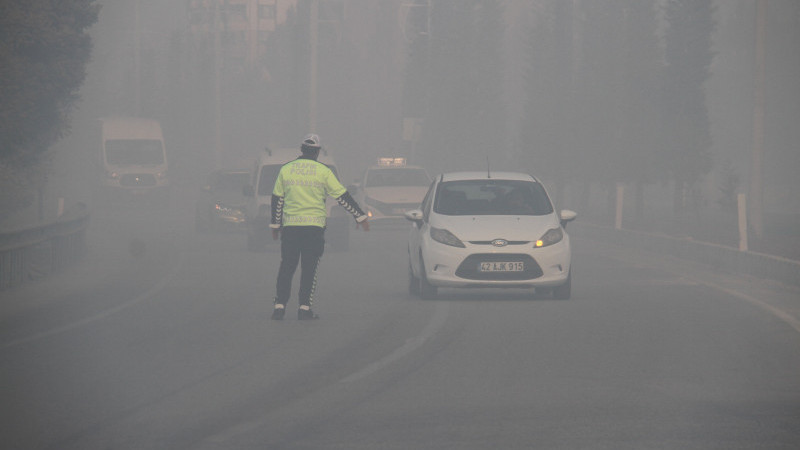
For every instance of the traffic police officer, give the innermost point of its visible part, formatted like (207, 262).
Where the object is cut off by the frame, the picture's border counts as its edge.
(298, 217)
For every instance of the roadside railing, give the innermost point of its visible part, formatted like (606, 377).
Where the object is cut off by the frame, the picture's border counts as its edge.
(34, 253)
(721, 257)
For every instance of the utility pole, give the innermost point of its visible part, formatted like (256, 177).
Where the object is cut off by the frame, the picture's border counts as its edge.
(312, 93)
(756, 170)
(137, 60)
(217, 87)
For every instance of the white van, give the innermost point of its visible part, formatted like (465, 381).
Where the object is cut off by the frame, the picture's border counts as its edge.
(259, 201)
(133, 157)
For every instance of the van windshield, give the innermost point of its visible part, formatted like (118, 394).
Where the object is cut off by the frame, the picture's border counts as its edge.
(266, 182)
(134, 152)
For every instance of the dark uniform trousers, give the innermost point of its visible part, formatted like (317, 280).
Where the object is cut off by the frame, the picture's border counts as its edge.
(303, 244)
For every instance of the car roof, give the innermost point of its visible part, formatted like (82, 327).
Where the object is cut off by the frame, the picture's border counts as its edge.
(462, 176)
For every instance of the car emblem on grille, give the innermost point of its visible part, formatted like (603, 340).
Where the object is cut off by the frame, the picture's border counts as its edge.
(499, 242)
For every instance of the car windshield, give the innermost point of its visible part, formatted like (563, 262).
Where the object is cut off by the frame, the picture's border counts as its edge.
(397, 177)
(134, 151)
(492, 197)
(231, 181)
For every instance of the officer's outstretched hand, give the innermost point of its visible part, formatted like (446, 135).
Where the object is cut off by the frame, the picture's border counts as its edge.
(276, 232)
(364, 224)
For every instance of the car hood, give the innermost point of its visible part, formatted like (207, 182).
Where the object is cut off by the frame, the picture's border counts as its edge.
(397, 194)
(487, 228)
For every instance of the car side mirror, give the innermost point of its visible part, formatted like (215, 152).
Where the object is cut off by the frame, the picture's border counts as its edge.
(566, 216)
(248, 190)
(415, 215)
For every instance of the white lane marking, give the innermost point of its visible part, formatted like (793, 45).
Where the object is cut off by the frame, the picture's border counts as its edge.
(101, 315)
(779, 313)
(433, 326)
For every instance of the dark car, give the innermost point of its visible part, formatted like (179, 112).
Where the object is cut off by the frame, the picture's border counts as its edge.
(221, 205)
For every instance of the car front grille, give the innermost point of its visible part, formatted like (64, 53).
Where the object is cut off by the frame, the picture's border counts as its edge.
(137, 179)
(470, 267)
(493, 243)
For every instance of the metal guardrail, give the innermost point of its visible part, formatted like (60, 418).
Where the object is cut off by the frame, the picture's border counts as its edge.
(34, 253)
(719, 256)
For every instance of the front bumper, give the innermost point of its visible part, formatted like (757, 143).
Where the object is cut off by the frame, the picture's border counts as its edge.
(447, 266)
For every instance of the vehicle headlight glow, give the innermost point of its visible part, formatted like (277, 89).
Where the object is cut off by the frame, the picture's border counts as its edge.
(552, 236)
(227, 209)
(445, 237)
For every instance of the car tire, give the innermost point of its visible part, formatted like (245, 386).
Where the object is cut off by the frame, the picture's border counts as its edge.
(564, 291)
(413, 282)
(426, 290)
(254, 244)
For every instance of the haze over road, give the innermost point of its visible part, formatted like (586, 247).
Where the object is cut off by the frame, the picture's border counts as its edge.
(173, 349)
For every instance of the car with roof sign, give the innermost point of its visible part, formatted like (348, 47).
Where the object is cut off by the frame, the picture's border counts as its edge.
(389, 188)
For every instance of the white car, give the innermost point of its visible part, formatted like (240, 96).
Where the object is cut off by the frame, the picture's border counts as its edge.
(481, 229)
(390, 188)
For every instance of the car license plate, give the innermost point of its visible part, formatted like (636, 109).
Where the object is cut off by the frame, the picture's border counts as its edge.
(499, 266)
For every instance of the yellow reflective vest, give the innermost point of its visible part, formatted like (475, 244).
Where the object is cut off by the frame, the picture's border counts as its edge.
(304, 184)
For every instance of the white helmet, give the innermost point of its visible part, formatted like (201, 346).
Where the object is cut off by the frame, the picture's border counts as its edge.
(310, 143)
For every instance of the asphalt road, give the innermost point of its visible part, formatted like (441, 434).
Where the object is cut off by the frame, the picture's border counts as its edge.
(161, 340)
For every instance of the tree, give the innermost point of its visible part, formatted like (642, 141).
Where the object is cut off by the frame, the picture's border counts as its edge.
(688, 57)
(546, 142)
(44, 49)
(464, 120)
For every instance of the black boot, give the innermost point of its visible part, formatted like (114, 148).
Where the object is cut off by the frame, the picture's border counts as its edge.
(306, 314)
(278, 312)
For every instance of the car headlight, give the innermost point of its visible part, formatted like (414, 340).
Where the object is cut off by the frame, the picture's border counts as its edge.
(445, 237)
(227, 210)
(552, 236)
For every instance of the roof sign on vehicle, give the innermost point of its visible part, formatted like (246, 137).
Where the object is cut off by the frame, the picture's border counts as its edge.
(392, 162)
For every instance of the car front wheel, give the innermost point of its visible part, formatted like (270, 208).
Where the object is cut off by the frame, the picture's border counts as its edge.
(564, 291)
(413, 282)
(426, 290)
